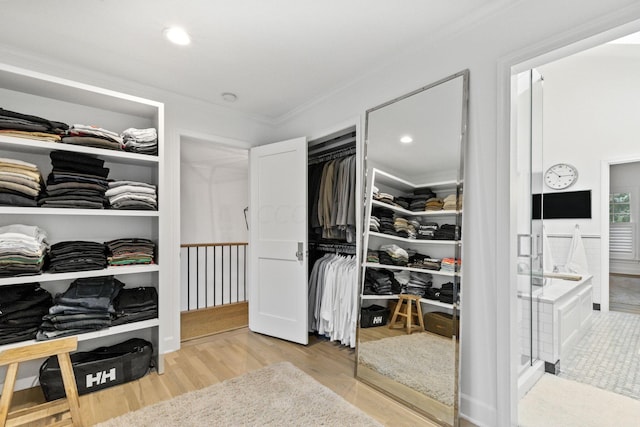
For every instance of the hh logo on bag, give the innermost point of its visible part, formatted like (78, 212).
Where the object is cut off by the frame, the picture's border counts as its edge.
(101, 377)
(377, 320)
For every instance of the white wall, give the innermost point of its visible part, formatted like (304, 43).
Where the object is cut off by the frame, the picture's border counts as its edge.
(487, 385)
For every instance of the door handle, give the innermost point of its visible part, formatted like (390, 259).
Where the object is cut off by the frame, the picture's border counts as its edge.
(300, 252)
(524, 242)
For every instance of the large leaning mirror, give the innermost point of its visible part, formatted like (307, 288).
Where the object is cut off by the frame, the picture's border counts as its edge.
(411, 276)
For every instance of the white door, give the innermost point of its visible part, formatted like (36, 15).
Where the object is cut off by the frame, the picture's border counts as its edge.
(278, 240)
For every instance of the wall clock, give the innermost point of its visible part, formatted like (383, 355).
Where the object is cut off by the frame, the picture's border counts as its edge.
(560, 176)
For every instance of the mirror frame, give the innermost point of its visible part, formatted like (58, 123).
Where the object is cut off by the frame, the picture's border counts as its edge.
(457, 308)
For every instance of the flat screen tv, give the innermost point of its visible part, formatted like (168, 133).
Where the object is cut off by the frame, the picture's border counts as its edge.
(562, 205)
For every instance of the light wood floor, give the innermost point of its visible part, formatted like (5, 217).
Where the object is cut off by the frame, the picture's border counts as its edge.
(209, 360)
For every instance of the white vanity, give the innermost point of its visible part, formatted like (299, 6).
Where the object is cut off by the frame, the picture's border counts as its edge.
(562, 311)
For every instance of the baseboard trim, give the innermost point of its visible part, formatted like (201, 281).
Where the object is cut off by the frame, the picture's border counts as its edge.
(483, 414)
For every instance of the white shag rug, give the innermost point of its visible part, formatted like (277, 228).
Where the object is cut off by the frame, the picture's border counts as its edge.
(277, 395)
(555, 401)
(422, 361)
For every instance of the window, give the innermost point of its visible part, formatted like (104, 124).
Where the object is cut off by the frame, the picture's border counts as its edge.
(622, 229)
(619, 207)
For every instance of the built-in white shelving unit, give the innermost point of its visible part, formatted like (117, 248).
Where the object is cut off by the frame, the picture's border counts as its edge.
(396, 186)
(57, 99)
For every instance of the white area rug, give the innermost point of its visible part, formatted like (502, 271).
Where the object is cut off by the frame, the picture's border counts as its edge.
(277, 395)
(422, 361)
(554, 401)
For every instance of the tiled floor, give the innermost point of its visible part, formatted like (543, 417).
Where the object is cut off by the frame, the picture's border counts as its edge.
(608, 356)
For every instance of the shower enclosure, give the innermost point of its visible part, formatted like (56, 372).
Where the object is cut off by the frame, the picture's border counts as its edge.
(529, 277)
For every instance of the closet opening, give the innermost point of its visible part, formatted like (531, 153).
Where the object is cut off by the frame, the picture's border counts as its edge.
(332, 235)
(214, 191)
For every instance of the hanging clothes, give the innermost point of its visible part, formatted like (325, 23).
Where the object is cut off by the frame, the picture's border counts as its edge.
(333, 298)
(332, 199)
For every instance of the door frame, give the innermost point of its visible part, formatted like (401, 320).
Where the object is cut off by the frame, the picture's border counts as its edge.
(606, 28)
(180, 135)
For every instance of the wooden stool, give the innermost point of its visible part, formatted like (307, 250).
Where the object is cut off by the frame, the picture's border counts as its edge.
(13, 356)
(407, 314)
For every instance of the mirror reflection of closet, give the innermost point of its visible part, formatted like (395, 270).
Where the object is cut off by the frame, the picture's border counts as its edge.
(408, 334)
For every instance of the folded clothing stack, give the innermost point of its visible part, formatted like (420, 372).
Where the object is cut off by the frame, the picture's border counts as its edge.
(420, 197)
(427, 230)
(374, 224)
(22, 250)
(446, 293)
(418, 284)
(130, 251)
(21, 310)
(87, 305)
(450, 203)
(19, 183)
(135, 304)
(404, 228)
(76, 181)
(380, 282)
(447, 232)
(27, 126)
(424, 261)
(129, 195)
(451, 265)
(372, 256)
(434, 204)
(144, 141)
(393, 255)
(385, 220)
(93, 136)
(77, 256)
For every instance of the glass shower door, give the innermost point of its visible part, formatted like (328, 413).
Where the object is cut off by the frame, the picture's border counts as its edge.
(530, 230)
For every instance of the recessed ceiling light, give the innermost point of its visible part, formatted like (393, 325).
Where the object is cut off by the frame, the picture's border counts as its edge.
(177, 35)
(230, 97)
(406, 139)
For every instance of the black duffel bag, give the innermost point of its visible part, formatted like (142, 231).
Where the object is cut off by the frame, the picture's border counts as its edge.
(100, 368)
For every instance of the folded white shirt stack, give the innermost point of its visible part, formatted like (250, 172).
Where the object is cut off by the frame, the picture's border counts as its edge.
(86, 130)
(132, 195)
(143, 141)
(22, 250)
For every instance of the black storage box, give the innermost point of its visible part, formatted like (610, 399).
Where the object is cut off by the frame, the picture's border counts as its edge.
(374, 315)
(100, 368)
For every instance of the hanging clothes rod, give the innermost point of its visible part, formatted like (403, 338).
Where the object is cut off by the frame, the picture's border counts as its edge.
(343, 248)
(332, 155)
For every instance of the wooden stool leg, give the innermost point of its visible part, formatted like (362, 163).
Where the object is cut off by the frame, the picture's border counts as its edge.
(394, 318)
(420, 316)
(7, 392)
(409, 317)
(69, 381)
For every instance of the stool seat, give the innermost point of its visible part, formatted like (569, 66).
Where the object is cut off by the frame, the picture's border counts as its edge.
(404, 310)
(68, 407)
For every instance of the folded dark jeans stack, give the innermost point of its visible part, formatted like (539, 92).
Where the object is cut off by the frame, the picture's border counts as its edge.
(20, 183)
(130, 251)
(380, 282)
(22, 250)
(87, 305)
(21, 309)
(132, 195)
(135, 304)
(447, 232)
(77, 256)
(76, 181)
(447, 293)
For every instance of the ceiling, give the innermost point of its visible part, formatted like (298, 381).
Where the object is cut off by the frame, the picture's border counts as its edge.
(277, 56)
